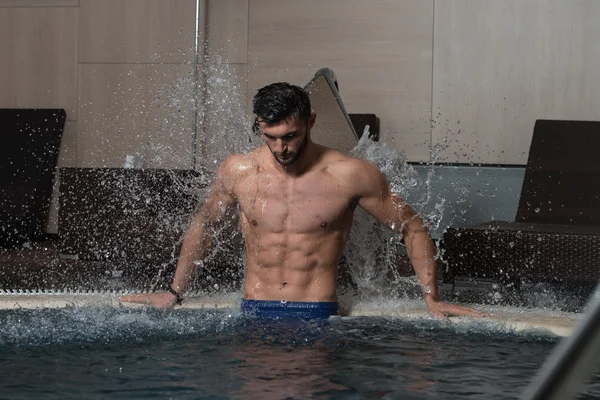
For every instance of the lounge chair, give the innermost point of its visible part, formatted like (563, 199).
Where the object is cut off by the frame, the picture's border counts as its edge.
(28, 156)
(556, 233)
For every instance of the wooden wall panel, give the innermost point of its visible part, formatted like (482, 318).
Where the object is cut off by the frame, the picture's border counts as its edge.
(137, 31)
(38, 68)
(39, 3)
(500, 65)
(380, 51)
(129, 109)
(228, 29)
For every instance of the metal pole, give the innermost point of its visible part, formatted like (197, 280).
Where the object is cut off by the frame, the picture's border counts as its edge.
(567, 368)
(199, 79)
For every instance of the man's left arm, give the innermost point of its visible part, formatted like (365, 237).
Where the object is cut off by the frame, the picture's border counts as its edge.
(376, 197)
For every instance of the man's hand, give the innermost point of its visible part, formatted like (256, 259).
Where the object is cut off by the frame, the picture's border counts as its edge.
(158, 299)
(442, 310)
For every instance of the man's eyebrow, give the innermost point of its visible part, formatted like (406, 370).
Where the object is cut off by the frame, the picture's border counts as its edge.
(287, 134)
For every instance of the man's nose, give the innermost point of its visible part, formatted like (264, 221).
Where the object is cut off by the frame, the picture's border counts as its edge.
(280, 146)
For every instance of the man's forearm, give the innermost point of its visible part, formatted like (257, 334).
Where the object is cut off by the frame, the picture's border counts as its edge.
(423, 256)
(195, 244)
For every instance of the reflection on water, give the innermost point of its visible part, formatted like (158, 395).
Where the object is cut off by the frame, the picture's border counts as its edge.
(103, 352)
(285, 372)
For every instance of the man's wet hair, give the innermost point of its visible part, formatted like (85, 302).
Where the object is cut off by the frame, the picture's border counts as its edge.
(279, 102)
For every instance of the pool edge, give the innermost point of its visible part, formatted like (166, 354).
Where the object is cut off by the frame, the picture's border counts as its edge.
(504, 318)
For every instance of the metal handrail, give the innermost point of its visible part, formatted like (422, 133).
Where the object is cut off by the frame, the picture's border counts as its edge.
(564, 372)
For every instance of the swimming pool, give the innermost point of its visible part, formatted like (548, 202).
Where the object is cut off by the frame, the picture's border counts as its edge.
(122, 353)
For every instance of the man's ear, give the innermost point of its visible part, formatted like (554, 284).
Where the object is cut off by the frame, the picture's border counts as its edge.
(312, 119)
(256, 126)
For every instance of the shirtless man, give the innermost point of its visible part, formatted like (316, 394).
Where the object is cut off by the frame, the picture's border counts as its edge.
(297, 199)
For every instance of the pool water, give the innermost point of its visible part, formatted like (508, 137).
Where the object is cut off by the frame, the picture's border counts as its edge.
(97, 353)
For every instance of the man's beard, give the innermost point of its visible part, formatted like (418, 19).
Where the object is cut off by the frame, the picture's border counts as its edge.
(291, 157)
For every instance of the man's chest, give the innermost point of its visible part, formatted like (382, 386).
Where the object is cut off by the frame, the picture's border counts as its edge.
(300, 205)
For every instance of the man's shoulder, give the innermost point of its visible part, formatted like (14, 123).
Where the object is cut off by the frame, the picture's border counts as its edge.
(237, 166)
(348, 168)
(338, 162)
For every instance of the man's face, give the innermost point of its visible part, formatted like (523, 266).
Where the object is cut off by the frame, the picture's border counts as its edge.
(287, 139)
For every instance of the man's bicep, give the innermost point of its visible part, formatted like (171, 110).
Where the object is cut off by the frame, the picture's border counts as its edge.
(378, 199)
(218, 202)
(220, 197)
(373, 190)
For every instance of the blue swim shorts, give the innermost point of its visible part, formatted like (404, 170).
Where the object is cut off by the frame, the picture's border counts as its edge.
(281, 309)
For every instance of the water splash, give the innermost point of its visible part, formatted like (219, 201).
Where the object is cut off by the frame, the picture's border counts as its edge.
(83, 325)
(226, 123)
(225, 129)
(373, 252)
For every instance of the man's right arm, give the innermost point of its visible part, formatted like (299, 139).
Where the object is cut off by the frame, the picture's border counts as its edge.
(198, 238)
